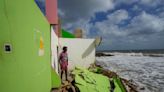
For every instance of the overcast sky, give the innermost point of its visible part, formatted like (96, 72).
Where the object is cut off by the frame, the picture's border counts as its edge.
(123, 24)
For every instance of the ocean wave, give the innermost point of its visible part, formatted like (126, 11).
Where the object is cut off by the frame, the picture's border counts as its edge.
(129, 54)
(147, 72)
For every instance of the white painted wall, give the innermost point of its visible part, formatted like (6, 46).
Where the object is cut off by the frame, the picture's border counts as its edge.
(54, 55)
(81, 52)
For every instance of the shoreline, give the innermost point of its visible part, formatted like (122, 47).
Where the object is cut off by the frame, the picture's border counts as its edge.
(104, 54)
(145, 72)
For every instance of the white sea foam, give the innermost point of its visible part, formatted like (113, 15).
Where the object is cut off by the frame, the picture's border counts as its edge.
(144, 70)
(135, 54)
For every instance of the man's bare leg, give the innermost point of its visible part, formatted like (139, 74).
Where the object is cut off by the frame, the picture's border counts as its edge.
(61, 74)
(66, 75)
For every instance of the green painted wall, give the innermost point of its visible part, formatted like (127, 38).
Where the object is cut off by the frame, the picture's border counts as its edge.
(66, 34)
(56, 80)
(23, 70)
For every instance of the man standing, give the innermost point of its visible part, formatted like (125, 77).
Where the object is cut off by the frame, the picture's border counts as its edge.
(63, 60)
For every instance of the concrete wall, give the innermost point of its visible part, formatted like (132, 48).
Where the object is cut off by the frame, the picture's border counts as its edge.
(54, 45)
(81, 52)
(25, 28)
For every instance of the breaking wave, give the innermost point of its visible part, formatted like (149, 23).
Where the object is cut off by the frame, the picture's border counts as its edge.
(145, 70)
(135, 54)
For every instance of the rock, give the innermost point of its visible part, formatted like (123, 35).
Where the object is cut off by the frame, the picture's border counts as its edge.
(99, 54)
(142, 88)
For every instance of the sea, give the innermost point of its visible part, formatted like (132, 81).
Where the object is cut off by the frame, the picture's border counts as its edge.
(144, 68)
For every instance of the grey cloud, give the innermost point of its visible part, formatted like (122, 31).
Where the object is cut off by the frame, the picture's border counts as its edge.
(77, 9)
(151, 3)
(118, 16)
(147, 3)
(77, 13)
(145, 24)
(110, 27)
(119, 2)
(143, 30)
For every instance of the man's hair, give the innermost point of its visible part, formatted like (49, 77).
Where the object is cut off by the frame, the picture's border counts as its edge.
(64, 48)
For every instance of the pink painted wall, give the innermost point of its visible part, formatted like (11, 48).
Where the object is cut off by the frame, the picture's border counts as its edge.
(52, 11)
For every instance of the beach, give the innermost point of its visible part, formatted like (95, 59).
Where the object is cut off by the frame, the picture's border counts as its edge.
(146, 71)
